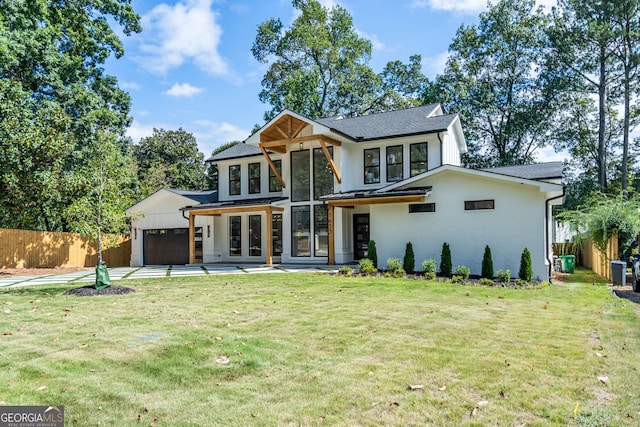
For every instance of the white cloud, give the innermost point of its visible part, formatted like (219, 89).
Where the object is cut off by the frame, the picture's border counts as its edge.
(210, 135)
(185, 32)
(375, 41)
(129, 85)
(183, 89)
(434, 65)
(139, 130)
(548, 154)
(466, 6)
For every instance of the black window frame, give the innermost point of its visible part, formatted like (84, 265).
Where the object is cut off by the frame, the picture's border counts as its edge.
(422, 208)
(395, 163)
(412, 161)
(235, 184)
(295, 190)
(319, 157)
(252, 179)
(479, 205)
(255, 225)
(371, 167)
(274, 184)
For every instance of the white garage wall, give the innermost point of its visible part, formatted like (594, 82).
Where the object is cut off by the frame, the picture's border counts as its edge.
(516, 222)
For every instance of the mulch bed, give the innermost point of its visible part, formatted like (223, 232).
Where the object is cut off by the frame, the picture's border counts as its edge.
(91, 291)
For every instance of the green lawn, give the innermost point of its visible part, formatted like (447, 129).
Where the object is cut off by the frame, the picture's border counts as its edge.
(306, 349)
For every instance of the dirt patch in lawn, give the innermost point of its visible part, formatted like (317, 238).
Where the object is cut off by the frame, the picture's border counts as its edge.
(91, 291)
(7, 272)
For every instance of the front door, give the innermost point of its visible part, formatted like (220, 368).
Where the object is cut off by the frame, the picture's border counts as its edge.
(360, 236)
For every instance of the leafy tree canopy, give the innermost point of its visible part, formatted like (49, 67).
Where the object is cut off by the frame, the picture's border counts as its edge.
(169, 158)
(494, 79)
(320, 67)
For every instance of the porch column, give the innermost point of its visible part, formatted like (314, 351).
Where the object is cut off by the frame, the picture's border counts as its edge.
(332, 244)
(192, 238)
(269, 229)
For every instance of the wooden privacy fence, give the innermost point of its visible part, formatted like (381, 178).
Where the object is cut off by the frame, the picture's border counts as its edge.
(589, 256)
(37, 249)
(597, 261)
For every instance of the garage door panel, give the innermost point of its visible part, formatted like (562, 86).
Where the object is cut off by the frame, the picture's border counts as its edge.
(166, 246)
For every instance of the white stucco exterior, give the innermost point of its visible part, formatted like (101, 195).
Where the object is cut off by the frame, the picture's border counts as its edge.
(520, 216)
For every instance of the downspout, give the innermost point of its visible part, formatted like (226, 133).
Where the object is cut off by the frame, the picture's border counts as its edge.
(546, 231)
(441, 145)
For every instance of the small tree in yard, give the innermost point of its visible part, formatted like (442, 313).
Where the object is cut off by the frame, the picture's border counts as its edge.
(487, 264)
(104, 182)
(409, 261)
(372, 253)
(526, 267)
(445, 260)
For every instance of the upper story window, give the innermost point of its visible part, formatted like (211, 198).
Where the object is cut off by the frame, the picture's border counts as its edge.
(274, 184)
(254, 178)
(300, 176)
(394, 163)
(472, 205)
(418, 158)
(322, 173)
(372, 166)
(234, 180)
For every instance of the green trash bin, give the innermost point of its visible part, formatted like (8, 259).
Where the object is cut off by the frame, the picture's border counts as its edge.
(568, 263)
(102, 276)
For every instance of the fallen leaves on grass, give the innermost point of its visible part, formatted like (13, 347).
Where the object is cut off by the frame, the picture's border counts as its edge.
(416, 386)
(223, 360)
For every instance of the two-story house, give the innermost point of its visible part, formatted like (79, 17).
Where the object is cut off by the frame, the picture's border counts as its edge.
(316, 191)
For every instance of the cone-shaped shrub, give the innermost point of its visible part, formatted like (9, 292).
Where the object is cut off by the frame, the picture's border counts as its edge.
(409, 261)
(372, 253)
(445, 260)
(526, 267)
(487, 264)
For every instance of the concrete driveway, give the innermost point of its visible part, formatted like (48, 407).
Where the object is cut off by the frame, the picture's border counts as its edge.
(157, 271)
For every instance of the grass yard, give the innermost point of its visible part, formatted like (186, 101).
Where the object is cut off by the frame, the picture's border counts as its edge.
(305, 349)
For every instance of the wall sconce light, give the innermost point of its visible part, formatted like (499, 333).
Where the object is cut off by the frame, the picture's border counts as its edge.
(301, 145)
(208, 231)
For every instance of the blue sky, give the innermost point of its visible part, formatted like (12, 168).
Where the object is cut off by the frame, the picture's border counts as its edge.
(192, 67)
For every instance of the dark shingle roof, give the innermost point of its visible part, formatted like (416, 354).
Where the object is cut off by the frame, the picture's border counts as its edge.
(536, 171)
(234, 203)
(411, 121)
(236, 151)
(200, 196)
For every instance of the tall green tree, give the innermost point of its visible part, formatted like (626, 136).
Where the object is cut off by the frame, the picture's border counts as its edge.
(627, 27)
(494, 78)
(169, 158)
(35, 140)
(105, 181)
(53, 52)
(319, 67)
(583, 40)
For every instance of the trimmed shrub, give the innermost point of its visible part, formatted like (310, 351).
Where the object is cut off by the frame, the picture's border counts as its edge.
(430, 275)
(347, 271)
(372, 253)
(487, 264)
(486, 282)
(526, 267)
(409, 260)
(445, 260)
(394, 264)
(463, 271)
(429, 266)
(399, 273)
(456, 279)
(504, 275)
(366, 266)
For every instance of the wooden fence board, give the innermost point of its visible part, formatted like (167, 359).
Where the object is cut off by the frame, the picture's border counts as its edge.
(38, 249)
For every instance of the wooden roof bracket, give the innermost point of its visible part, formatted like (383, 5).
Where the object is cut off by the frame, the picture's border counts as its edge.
(330, 160)
(272, 166)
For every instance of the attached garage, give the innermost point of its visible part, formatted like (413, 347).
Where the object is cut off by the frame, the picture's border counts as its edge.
(166, 246)
(160, 231)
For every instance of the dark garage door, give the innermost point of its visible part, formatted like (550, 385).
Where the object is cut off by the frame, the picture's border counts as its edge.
(166, 246)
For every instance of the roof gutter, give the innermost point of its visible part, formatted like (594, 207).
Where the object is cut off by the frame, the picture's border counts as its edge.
(549, 253)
